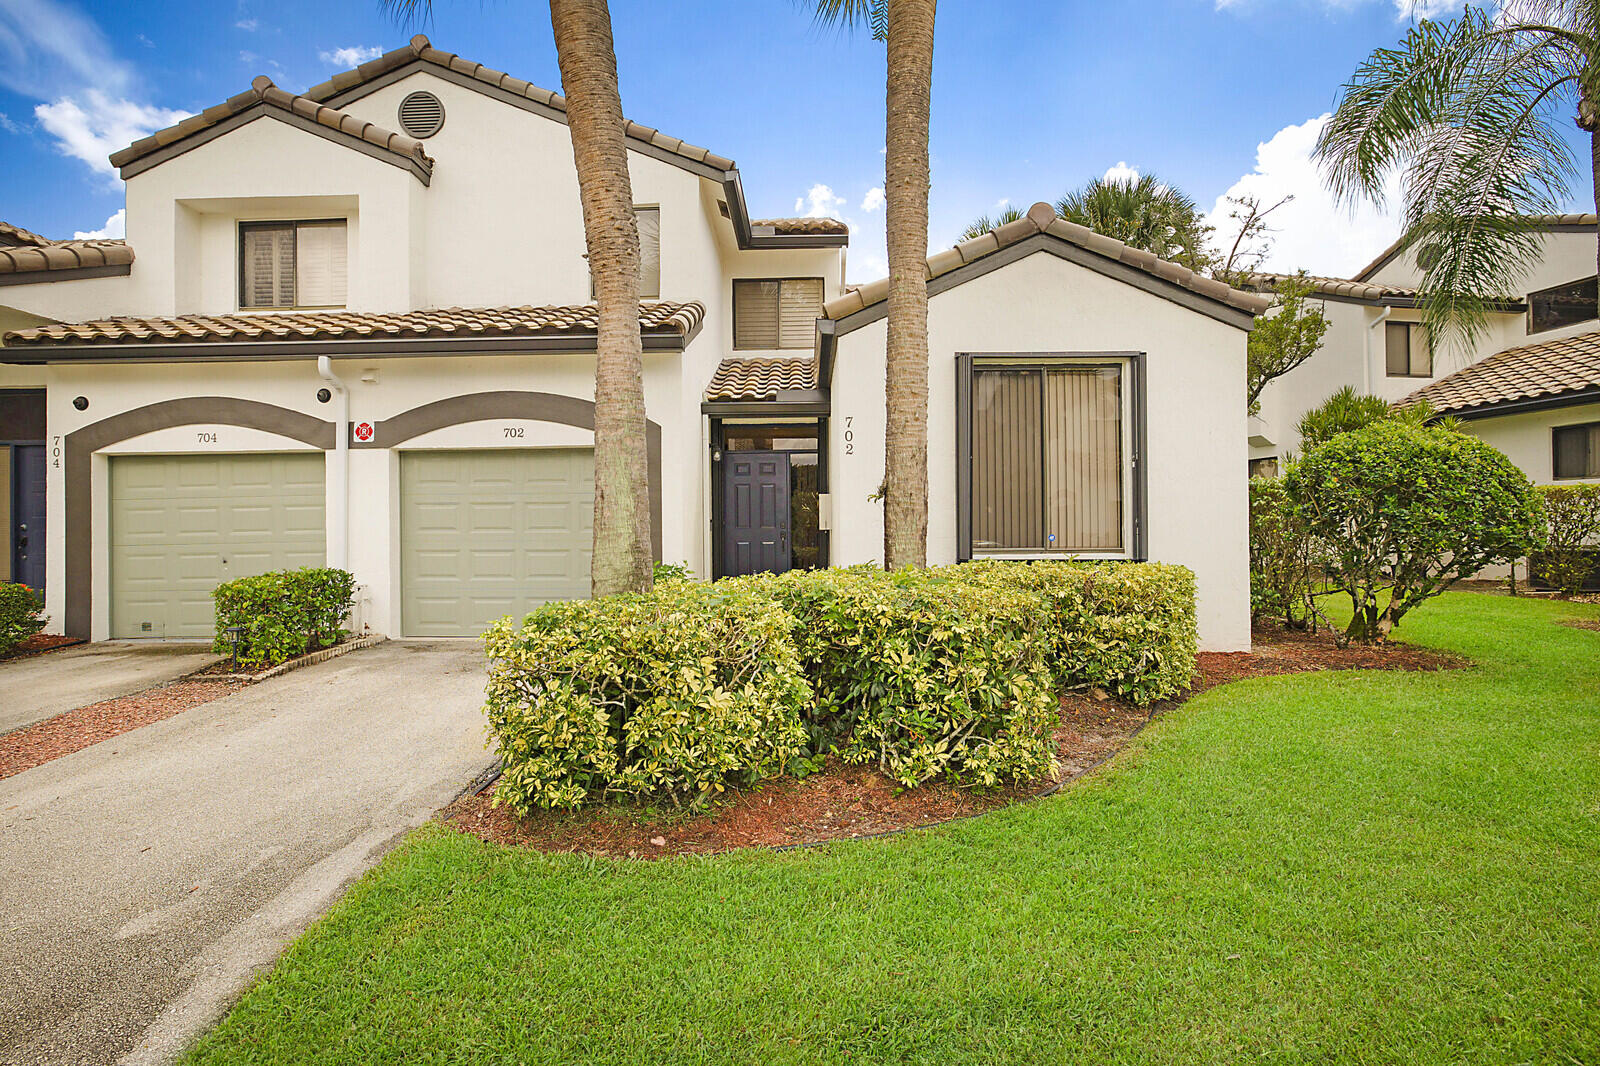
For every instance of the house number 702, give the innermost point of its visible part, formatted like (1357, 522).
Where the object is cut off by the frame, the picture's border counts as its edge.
(849, 435)
(514, 431)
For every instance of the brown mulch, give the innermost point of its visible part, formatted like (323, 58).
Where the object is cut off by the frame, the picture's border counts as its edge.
(40, 643)
(843, 801)
(23, 749)
(1582, 623)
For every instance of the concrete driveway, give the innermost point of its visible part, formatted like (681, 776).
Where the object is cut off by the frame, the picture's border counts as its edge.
(42, 686)
(147, 878)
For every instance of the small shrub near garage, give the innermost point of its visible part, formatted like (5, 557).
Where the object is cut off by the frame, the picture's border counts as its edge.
(21, 615)
(283, 613)
(924, 673)
(1127, 628)
(1571, 555)
(677, 692)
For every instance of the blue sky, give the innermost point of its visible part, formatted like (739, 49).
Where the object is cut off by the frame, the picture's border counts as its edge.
(1030, 98)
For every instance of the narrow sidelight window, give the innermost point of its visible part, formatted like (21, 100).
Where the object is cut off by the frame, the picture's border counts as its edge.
(1577, 450)
(1047, 460)
(293, 264)
(776, 312)
(1409, 355)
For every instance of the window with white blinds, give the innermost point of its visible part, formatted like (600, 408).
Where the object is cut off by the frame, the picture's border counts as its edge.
(776, 312)
(1047, 459)
(293, 264)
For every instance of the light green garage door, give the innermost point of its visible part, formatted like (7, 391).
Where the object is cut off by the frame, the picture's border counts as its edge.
(183, 524)
(491, 533)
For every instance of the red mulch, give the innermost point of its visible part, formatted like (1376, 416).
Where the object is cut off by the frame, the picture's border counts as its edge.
(23, 749)
(40, 643)
(843, 801)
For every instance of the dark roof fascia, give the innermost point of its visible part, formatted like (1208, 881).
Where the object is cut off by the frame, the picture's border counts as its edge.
(31, 277)
(265, 110)
(1062, 249)
(732, 186)
(766, 408)
(1514, 407)
(366, 348)
(1407, 303)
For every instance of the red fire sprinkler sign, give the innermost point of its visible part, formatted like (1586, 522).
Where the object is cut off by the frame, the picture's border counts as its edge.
(364, 431)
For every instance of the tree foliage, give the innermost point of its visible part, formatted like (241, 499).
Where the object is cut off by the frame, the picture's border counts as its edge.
(1284, 339)
(1348, 410)
(1572, 535)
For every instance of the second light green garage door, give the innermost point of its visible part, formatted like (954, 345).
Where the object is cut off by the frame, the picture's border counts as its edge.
(183, 524)
(490, 533)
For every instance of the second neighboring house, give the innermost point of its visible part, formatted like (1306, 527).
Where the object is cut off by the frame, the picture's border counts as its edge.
(355, 327)
(1530, 386)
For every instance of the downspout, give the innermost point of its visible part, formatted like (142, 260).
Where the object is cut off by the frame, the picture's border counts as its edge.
(339, 546)
(1366, 364)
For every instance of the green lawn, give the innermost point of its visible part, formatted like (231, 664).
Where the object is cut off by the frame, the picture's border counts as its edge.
(1358, 867)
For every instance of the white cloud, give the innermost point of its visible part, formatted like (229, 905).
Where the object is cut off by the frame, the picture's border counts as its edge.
(116, 228)
(1403, 9)
(247, 25)
(873, 200)
(92, 125)
(1312, 232)
(1425, 9)
(8, 124)
(350, 57)
(1121, 172)
(819, 202)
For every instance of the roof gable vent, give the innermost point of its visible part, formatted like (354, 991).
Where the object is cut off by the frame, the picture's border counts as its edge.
(421, 115)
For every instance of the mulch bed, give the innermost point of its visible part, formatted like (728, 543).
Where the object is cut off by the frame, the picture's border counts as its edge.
(843, 801)
(23, 749)
(1582, 623)
(38, 644)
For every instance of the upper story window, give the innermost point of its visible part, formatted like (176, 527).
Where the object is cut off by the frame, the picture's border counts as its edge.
(649, 222)
(1563, 305)
(776, 312)
(1577, 450)
(1406, 350)
(293, 264)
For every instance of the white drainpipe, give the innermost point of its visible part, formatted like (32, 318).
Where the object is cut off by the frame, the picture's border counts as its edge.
(339, 545)
(1366, 368)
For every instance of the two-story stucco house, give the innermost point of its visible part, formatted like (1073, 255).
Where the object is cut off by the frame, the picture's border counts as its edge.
(1530, 386)
(355, 326)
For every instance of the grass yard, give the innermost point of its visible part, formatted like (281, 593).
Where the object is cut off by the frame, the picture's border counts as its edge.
(1344, 867)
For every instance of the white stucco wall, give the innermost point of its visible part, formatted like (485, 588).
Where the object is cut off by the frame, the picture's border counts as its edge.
(1527, 438)
(1197, 506)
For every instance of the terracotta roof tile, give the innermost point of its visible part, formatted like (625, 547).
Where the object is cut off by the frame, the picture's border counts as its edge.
(1041, 218)
(1571, 364)
(1358, 290)
(420, 48)
(669, 319)
(65, 255)
(760, 379)
(790, 226)
(15, 236)
(262, 91)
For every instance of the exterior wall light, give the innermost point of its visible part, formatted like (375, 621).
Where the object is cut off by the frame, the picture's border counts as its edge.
(323, 395)
(81, 403)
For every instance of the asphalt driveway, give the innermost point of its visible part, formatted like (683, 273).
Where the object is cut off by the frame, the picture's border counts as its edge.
(42, 686)
(147, 878)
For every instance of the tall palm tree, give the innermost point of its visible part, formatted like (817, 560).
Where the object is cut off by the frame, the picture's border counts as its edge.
(1144, 212)
(907, 28)
(1470, 113)
(622, 560)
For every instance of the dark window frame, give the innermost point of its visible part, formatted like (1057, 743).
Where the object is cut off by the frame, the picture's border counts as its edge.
(292, 224)
(734, 300)
(1413, 331)
(1592, 466)
(1137, 497)
(1533, 327)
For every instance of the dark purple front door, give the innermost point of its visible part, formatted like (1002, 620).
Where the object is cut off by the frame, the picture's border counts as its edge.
(27, 514)
(755, 513)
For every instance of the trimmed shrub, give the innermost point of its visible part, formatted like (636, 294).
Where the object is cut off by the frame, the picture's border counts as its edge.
(20, 615)
(284, 613)
(1403, 512)
(1572, 515)
(1281, 555)
(675, 692)
(1127, 628)
(922, 672)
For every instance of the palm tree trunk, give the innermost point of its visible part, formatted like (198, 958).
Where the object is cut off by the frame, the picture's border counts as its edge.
(1594, 173)
(910, 80)
(622, 552)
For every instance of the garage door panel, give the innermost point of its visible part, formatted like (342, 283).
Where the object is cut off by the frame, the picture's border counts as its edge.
(181, 525)
(490, 533)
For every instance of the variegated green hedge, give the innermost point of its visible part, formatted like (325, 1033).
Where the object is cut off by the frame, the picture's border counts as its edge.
(948, 672)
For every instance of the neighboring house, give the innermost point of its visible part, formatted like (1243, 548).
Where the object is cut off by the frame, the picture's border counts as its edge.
(1530, 385)
(338, 343)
